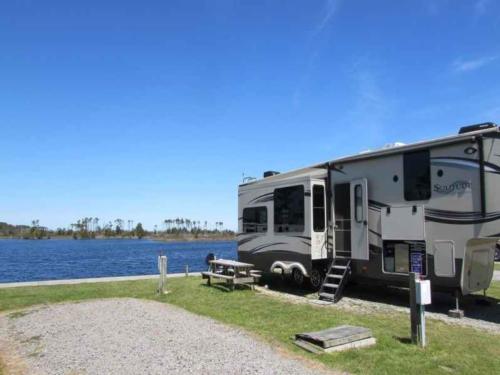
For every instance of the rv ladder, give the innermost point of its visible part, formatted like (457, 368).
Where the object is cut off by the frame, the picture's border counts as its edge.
(335, 279)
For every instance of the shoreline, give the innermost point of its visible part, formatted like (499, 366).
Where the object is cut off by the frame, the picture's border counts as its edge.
(156, 239)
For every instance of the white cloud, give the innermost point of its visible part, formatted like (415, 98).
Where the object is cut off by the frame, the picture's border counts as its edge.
(316, 42)
(460, 65)
(331, 8)
(371, 108)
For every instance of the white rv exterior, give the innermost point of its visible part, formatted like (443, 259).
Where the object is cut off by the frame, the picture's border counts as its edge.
(431, 207)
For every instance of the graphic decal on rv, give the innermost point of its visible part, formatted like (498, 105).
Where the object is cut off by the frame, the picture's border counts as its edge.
(248, 239)
(262, 247)
(283, 253)
(304, 237)
(464, 163)
(446, 217)
(263, 198)
(460, 186)
(456, 217)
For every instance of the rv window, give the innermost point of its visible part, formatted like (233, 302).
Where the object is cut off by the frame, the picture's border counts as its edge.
(255, 219)
(318, 208)
(358, 203)
(289, 209)
(417, 176)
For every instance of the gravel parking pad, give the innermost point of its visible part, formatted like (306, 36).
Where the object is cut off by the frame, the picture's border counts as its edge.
(130, 336)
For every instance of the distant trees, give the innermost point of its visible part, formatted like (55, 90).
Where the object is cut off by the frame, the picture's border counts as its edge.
(118, 226)
(89, 227)
(36, 231)
(139, 231)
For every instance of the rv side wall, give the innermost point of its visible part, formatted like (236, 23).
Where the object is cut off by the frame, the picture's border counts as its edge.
(449, 194)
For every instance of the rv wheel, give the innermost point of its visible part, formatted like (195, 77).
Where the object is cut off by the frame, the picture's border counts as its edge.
(298, 277)
(316, 278)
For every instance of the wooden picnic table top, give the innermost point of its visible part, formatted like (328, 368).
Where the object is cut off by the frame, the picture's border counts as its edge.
(231, 263)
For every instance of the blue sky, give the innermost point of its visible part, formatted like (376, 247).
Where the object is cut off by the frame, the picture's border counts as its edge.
(153, 110)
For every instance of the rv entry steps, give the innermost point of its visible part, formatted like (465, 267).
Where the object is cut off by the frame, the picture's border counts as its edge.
(335, 280)
(335, 339)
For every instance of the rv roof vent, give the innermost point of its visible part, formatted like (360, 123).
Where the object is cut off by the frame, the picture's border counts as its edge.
(270, 173)
(476, 127)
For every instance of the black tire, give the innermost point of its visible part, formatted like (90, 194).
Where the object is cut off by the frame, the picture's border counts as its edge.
(297, 277)
(497, 253)
(316, 279)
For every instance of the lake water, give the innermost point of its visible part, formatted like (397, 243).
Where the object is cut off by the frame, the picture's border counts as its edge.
(35, 260)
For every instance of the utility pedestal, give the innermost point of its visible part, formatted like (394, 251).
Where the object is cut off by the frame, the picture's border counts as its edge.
(420, 295)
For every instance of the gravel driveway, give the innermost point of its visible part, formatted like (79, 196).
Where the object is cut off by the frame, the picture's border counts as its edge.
(129, 336)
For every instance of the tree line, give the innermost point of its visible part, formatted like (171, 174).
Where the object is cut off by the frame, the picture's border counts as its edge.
(93, 227)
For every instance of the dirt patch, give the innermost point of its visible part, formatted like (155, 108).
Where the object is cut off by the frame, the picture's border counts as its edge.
(11, 363)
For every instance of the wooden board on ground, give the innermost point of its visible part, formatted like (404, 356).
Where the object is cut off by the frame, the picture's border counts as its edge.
(319, 350)
(333, 337)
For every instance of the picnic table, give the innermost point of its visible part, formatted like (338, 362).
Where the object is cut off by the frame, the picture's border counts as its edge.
(232, 272)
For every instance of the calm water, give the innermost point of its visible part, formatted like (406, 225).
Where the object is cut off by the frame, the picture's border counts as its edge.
(25, 260)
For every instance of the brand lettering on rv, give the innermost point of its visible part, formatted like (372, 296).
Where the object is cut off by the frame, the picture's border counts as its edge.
(455, 187)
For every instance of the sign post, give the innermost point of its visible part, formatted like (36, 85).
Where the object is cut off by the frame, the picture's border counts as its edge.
(414, 315)
(420, 295)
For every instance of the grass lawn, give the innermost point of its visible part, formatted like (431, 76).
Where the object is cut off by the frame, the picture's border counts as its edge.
(497, 266)
(451, 349)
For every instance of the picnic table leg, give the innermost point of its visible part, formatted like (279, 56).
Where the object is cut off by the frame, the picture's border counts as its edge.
(208, 281)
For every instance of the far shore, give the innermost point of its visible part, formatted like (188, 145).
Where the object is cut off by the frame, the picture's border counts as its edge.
(151, 238)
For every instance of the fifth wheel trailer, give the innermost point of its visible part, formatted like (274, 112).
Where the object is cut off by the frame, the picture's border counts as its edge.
(431, 207)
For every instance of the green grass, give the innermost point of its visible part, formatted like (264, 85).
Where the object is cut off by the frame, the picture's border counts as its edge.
(451, 349)
(497, 266)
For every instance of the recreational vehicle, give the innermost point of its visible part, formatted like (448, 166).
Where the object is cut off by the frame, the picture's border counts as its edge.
(431, 207)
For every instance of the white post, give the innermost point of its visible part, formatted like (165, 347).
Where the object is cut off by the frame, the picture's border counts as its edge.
(162, 267)
(422, 326)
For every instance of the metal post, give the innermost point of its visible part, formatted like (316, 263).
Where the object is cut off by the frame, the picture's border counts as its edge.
(422, 326)
(187, 270)
(456, 313)
(162, 267)
(414, 313)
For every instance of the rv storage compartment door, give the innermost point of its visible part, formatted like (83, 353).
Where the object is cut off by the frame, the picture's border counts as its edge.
(359, 219)
(403, 223)
(444, 258)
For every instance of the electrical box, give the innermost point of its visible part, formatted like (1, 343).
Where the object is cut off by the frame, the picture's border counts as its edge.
(423, 292)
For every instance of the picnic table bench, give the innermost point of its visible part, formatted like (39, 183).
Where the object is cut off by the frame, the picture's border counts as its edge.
(232, 272)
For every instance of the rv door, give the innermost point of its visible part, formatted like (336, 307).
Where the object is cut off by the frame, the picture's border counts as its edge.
(359, 219)
(319, 222)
